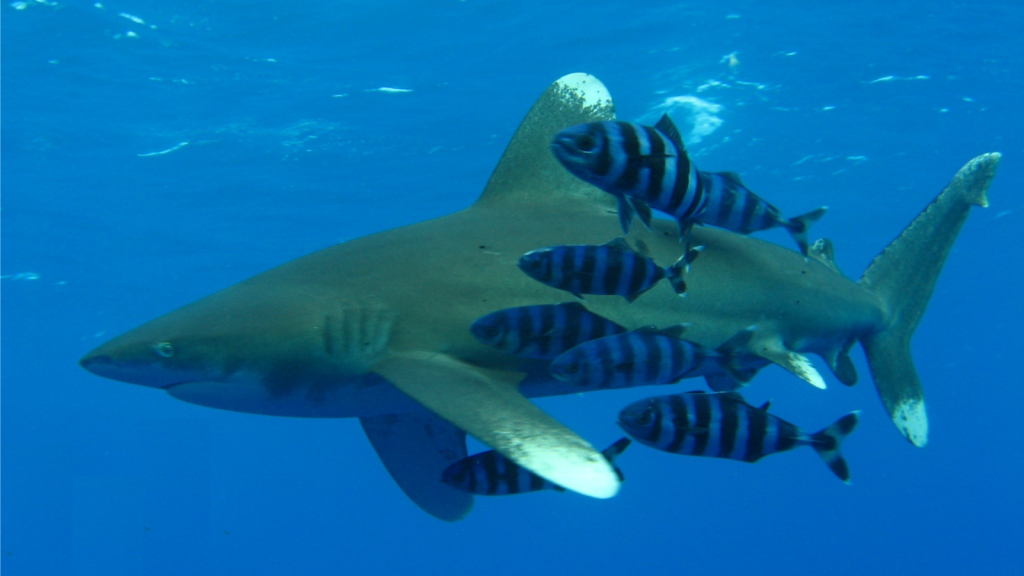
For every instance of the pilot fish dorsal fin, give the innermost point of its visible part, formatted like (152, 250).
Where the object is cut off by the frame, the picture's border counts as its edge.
(732, 177)
(528, 172)
(667, 127)
(731, 396)
(619, 244)
(674, 331)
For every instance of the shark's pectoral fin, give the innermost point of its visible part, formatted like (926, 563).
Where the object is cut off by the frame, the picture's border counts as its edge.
(416, 449)
(795, 362)
(488, 405)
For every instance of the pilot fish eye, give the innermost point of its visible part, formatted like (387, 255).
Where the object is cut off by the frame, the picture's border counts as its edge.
(489, 331)
(164, 349)
(572, 368)
(586, 143)
(645, 417)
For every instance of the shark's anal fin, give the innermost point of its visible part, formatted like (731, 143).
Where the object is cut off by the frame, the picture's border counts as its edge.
(488, 405)
(416, 449)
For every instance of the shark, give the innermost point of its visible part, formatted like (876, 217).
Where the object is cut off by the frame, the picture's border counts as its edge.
(378, 328)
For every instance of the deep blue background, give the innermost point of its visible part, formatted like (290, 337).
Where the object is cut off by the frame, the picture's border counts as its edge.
(101, 477)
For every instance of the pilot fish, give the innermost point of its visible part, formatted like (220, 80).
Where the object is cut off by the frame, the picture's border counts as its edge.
(543, 331)
(491, 474)
(647, 356)
(613, 268)
(647, 167)
(723, 425)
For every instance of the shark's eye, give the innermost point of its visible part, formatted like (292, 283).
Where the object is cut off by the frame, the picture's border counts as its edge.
(164, 349)
(586, 143)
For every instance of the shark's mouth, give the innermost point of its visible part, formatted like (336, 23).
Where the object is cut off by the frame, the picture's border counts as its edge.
(108, 367)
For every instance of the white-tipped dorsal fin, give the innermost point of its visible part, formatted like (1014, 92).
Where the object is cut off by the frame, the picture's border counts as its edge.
(528, 171)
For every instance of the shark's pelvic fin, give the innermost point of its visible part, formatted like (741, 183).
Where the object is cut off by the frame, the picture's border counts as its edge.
(416, 449)
(903, 277)
(798, 364)
(488, 405)
(528, 171)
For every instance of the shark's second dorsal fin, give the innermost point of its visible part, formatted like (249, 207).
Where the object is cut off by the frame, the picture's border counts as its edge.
(823, 251)
(528, 171)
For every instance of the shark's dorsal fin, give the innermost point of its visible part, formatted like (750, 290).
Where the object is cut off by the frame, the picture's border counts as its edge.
(528, 172)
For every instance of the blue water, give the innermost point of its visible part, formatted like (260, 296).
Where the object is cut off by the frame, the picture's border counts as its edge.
(869, 108)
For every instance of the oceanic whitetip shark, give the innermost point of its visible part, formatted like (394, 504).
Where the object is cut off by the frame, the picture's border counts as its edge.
(377, 328)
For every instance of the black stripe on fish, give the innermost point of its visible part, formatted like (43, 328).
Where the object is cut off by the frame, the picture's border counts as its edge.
(703, 421)
(584, 263)
(749, 209)
(658, 155)
(657, 427)
(630, 177)
(604, 161)
(757, 428)
(728, 424)
(523, 326)
(680, 423)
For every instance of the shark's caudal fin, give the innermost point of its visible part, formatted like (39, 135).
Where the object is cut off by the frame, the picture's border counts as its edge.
(528, 171)
(903, 277)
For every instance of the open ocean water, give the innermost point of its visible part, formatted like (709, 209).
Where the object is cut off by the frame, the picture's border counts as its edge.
(155, 152)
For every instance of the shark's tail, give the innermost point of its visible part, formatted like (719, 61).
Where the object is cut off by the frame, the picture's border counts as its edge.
(903, 277)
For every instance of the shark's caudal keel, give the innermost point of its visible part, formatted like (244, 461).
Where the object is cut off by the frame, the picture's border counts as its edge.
(379, 328)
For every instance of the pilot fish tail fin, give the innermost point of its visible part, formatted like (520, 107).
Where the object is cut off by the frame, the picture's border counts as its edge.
(798, 226)
(612, 452)
(903, 277)
(826, 443)
(675, 272)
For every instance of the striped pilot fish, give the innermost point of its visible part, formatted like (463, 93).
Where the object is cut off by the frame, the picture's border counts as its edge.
(648, 356)
(723, 425)
(491, 474)
(642, 165)
(613, 268)
(543, 331)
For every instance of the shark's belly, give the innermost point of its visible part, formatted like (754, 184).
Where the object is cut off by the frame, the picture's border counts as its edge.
(361, 396)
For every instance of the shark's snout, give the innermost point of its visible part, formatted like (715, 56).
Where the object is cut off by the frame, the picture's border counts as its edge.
(106, 363)
(95, 361)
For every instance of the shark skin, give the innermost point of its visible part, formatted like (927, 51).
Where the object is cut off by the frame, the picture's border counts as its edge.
(378, 327)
